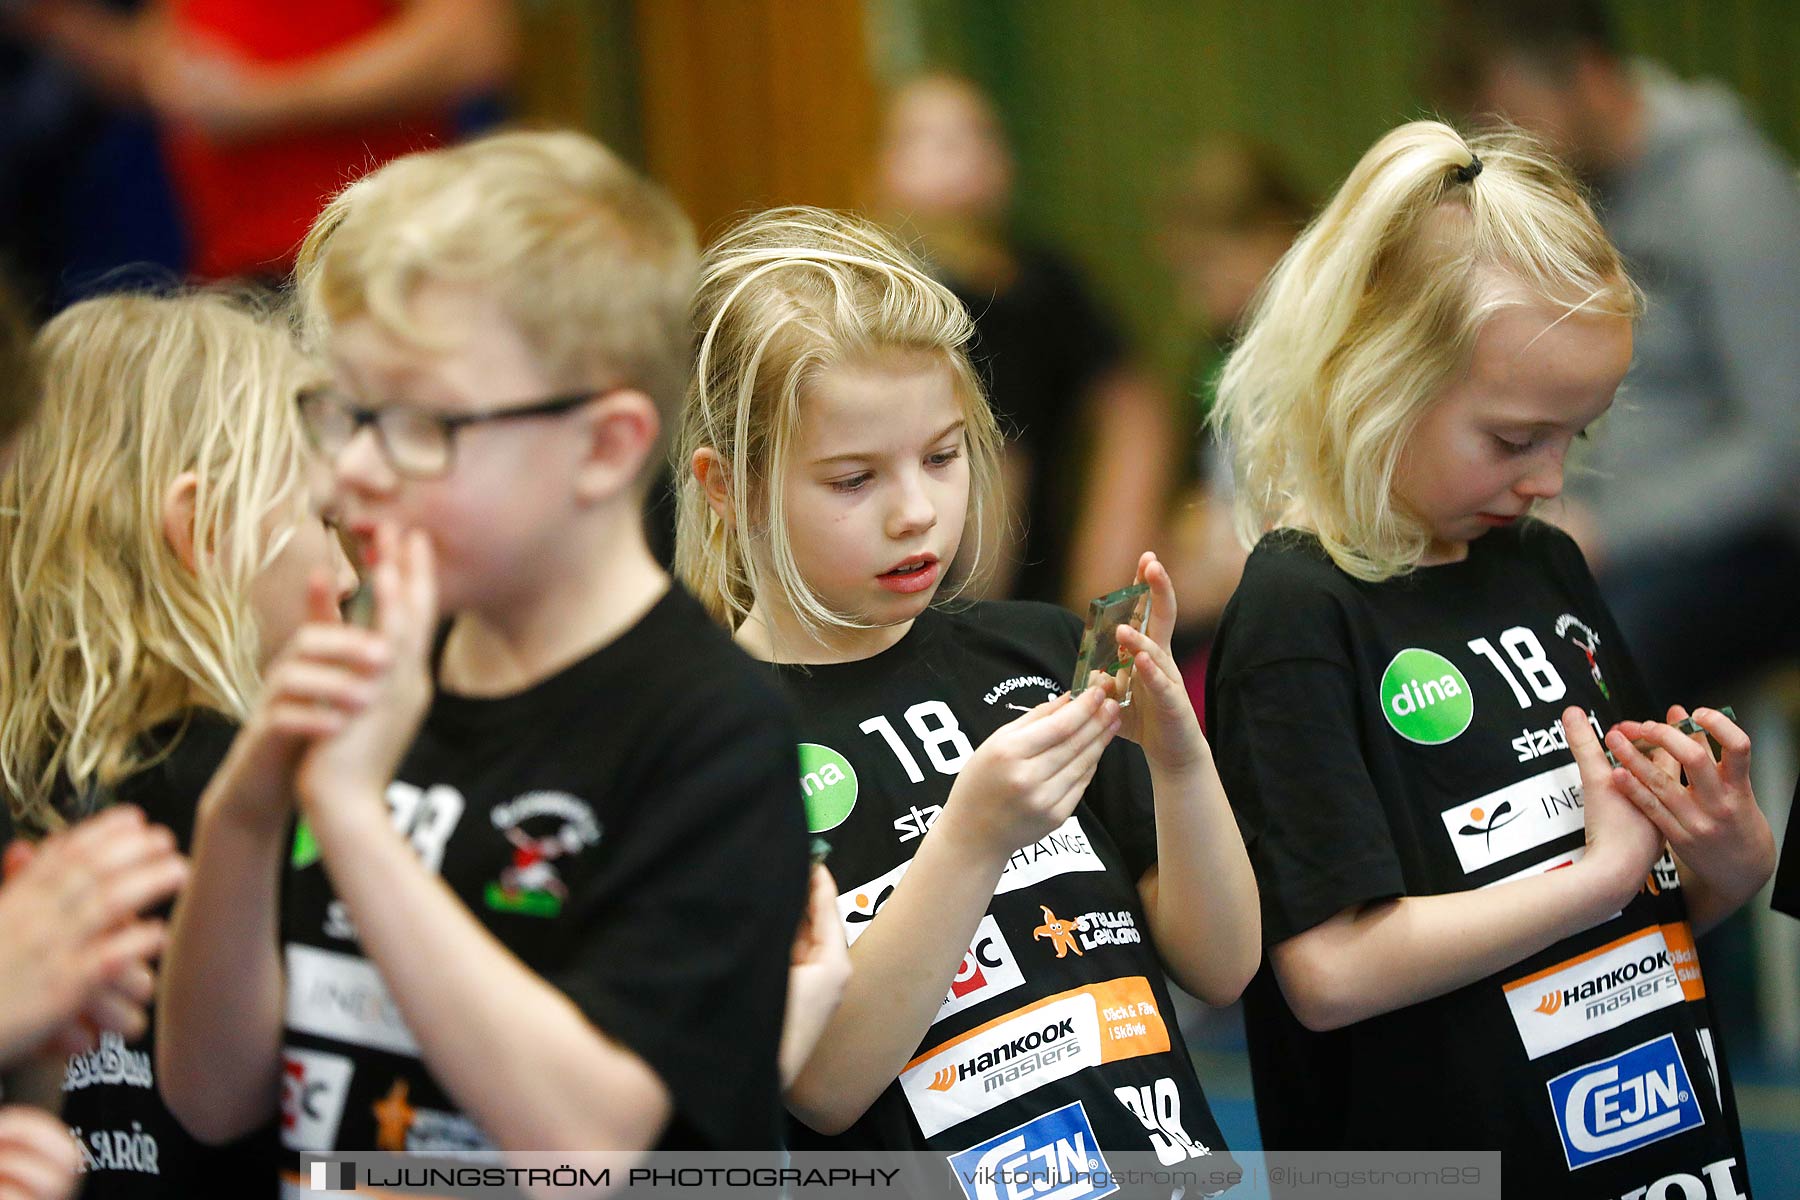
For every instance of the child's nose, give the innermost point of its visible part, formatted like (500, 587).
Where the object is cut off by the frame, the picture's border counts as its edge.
(362, 465)
(913, 510)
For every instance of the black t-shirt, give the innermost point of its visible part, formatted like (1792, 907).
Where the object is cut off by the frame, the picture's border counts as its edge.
(1786, 897)
(1057, 1027)
(1401, 738)
(131, 1145)
(1040, 344)
(630, 829)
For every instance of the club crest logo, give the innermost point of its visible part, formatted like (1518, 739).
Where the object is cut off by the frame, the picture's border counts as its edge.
(1587, 641)
(542, 827)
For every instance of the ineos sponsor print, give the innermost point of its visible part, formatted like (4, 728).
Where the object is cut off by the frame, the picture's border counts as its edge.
(343, 998)
(1519, 817)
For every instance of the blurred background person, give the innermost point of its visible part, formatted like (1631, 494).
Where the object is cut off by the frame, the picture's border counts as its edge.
(1230, 214)
(82, 186)
(266, 110)
(1091, 445)
(1691, 512)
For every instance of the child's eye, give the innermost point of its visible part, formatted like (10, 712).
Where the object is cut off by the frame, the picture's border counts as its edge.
(944, 458)
(853, 483)
(1509, 446)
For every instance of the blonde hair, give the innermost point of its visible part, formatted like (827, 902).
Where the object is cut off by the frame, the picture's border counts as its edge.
(1373, 313)
(593, 264)
(108, 632)
(784, 296)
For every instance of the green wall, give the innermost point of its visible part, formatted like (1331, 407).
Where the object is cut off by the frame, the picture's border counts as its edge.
(1104, 98)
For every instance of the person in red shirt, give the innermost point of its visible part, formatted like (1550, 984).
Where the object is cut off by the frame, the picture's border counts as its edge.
(270, 109)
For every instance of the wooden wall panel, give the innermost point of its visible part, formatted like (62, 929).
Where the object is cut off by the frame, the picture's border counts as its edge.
(748, 103)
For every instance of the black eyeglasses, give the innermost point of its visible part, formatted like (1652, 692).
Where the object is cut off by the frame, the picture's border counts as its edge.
(417, 443)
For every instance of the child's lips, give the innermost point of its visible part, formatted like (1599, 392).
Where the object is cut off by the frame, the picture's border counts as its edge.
(913, 574)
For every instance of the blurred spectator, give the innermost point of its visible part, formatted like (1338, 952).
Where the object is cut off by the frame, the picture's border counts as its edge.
(1232, 212)
(268, 109)
(82, 188)
(1091, 440)
(1691, 513)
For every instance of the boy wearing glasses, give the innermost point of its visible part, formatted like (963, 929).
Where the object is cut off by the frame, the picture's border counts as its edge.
(550, 856)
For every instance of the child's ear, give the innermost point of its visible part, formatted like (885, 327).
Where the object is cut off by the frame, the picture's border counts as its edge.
(714, 478)
(178, 518)
(622, 431)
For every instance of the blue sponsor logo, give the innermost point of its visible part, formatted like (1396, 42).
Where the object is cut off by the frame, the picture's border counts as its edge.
(1052, 1157)
(1618, 1104)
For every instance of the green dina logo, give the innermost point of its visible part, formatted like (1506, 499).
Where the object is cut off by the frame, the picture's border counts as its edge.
(1425, 698)
(829, 783)
(306, 847)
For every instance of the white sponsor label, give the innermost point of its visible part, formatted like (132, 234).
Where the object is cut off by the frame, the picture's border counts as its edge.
(988, 970)
(969, 1077)
(1554, 863)
(1047, 1040)
(1057, 853)
(313, 1088)
(858, 906)
(344, 998)
(1063, 850)
(1597, 991)
(1517, 818)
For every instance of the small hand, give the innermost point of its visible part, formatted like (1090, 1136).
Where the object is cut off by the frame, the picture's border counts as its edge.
(818, 972)
(38, 1158)
(1026, 779)
(75, 956)
(1712, 823)
(360, 756)
(1621, 843)
(1160, 717)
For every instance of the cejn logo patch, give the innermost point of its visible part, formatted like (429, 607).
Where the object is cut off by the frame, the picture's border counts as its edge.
(1619, 1104)
(1048, 1040)
(1519, 817)
(313, 1087)
(1052, 1157)
(1629, 977)
(1425, 698)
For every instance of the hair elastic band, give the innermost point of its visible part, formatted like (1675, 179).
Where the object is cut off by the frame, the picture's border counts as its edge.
(1468, 172)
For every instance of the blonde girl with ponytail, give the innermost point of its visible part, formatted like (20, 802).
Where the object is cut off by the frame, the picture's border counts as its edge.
(1411, 688)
